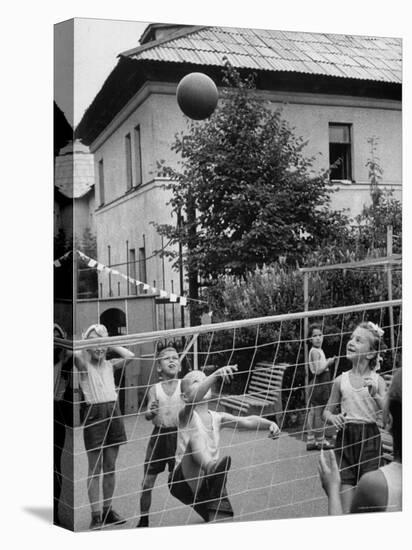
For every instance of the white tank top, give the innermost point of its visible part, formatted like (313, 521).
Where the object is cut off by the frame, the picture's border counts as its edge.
(393, 476)
(211, 437)
(98, 383)
(169, 406)
(358, 404)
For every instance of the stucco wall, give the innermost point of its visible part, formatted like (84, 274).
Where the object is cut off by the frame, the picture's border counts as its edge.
(127, 216)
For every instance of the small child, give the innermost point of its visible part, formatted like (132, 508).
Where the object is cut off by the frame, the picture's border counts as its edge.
(380, 490)
(199, 478)
(104, 430)
(163, 406)
(360, 394)
(319, 391)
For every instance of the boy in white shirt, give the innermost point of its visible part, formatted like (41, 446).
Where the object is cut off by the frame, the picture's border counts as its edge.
(164, 404)
(199, 478)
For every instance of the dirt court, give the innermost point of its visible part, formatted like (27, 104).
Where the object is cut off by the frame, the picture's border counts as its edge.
(268, 480)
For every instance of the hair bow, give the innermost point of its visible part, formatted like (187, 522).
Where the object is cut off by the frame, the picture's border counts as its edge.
(375, 328)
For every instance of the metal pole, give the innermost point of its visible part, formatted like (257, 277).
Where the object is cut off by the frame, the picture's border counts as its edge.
(389, 241)
(305, 334)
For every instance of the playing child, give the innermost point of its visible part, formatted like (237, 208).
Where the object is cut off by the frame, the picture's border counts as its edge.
(319, 391)
(199, 478)
(360, 394)
(104, 428)
(164, 404)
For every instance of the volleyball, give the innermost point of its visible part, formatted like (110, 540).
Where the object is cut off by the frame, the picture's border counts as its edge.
(197, 96)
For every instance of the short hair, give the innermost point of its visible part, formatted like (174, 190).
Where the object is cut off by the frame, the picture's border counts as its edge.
(162, 351)
(186, 380)
(315, 326)
(57, 328)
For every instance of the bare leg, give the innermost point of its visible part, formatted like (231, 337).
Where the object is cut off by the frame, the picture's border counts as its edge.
(109, 479)
(93, 482)
(346, 495)
(318, 424)
(146, 497)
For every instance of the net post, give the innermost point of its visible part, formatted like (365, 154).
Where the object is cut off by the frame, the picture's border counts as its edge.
(195, 353)
(305, 333)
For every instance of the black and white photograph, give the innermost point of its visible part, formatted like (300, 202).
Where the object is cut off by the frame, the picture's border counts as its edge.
(227, 275)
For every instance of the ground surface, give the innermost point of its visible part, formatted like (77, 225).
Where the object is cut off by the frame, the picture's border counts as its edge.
(268, 480)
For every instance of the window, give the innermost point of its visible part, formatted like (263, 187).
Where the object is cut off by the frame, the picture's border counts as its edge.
(132, 269)
(101, 182)
(129, 175)
(138, 153)
(340, 151)
(142, 265)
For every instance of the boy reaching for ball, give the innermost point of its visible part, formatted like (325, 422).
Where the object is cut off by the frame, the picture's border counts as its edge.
(199, 477)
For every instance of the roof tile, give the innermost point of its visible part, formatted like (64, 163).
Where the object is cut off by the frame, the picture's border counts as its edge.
(370, 58)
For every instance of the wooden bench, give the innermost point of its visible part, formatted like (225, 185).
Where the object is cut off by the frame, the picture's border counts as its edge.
(263, 393)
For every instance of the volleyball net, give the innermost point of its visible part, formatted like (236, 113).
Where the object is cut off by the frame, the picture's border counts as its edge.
(268, 479)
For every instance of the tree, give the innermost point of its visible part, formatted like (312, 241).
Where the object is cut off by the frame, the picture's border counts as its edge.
(246, 192)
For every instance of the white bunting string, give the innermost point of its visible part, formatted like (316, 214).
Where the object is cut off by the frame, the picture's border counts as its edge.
(91, 262)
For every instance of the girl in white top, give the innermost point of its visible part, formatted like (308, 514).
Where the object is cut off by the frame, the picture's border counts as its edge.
(359, 393)
(164, 404)
(199, 478)
(379, 490)
(104, 430)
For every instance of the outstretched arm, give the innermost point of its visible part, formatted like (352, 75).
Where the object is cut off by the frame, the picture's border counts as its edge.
(252, 422)
(226, 373)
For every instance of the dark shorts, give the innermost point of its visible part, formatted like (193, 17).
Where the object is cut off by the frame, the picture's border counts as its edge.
(320, 390)
(161, 450)
(103, 426)
(358, 450)
(203, 502)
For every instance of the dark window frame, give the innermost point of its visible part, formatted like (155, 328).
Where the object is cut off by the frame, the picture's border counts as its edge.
(341, 149)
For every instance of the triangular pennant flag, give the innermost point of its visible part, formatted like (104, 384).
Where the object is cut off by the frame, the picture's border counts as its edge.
(146, 286)
(183, 300)
(115, 272)
(173, 297)
(92, 263)
(57, 263)
(100, 267)
(163, 294)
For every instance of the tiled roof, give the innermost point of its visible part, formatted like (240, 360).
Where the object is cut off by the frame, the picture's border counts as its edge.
(358, 57)
(74, 170)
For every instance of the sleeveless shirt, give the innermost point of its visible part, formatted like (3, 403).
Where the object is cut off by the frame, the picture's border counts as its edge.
(358, 404)
(169, 406)
(98, 383)
(211, 437)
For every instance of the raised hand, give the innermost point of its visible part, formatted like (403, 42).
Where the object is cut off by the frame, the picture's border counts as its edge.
(274, 431)
(226, 372)
(328, 471)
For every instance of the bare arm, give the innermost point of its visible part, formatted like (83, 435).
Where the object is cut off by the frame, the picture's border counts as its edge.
(152, 405)
(252, 422)
(330, 479)
(80, 361)
(125, 354)
(190, 402)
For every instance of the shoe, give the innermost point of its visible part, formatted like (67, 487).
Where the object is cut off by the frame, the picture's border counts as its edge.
(96, 523)
(325, 445)
(311, 446)
(111, 517)
(144, 522)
